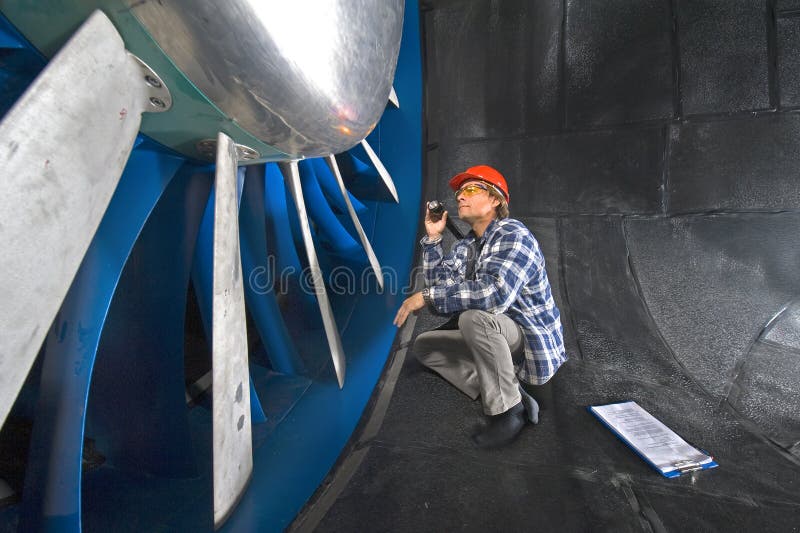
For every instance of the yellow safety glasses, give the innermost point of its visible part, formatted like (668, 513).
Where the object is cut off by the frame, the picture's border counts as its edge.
(471, 190)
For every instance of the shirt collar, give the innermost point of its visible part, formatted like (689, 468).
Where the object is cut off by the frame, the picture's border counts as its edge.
(493, 225)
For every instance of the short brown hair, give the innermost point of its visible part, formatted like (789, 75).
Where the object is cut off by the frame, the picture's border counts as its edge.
(501, 211)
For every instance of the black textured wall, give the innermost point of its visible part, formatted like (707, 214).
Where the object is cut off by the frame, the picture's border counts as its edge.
(618, 106)
(652, 147)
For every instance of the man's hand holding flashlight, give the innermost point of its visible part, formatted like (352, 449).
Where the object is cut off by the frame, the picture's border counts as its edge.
(434, 225)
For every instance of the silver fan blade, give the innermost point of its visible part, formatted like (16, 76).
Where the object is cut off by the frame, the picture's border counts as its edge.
(292, 176)
(382, 172)
(232, 441)
(63, 147)
(393, 98)
(331, 160)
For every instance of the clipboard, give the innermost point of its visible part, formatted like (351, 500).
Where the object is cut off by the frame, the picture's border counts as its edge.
(663, 449)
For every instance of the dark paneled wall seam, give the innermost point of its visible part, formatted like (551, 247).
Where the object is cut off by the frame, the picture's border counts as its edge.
(665, 170)
(755, 430)
(659, 215)
(779, 346)
(562, 66)
(677, 98)
(772, 56)
(694, 119)
(562, 282)
(732, 388)
(795, 450)
(640, 293)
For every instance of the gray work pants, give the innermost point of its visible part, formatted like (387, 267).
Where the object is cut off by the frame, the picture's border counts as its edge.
(477, 358)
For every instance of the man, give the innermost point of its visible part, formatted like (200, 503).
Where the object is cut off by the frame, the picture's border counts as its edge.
(495, 284)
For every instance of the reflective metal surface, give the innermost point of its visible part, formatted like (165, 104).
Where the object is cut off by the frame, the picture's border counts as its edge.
(64, 145)
(292, 176)
(233, 450)
(309, 78)
(373, 260)
(158, 96)
(382, 172)
(208, 147)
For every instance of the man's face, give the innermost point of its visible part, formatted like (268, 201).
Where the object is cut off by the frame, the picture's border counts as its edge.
(474, 201)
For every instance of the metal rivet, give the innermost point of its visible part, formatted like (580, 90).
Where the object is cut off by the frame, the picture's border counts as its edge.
(158, 102)
(152, 82)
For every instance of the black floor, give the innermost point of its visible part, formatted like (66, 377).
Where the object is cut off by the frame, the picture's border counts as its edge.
(668, 312)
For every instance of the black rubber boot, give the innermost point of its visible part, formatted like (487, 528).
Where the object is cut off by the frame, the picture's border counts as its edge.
(530, 405)
(502, 429)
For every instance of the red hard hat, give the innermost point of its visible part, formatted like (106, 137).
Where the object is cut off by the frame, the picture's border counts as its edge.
(482, 173)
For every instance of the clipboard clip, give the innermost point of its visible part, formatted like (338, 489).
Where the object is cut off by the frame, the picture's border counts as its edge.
(687, 466)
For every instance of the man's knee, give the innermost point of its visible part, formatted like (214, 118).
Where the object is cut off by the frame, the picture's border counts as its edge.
(423, 347)
(474, 316)
(474, 321)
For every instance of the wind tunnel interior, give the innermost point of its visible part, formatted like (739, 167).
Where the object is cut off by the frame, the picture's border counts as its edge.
(650, 145)
(112, 430)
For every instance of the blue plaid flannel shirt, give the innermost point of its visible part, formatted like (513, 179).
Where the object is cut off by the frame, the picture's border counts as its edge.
(510, 278)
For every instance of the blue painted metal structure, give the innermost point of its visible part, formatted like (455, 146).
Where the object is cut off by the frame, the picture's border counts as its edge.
(332, 234)
(331, 189)
(259, 293)
(112, 367)
(74, 340)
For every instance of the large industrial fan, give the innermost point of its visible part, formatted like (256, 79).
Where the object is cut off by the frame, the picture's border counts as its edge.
(233, 152)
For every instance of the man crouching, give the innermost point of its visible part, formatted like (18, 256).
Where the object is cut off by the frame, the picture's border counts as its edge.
(495, 285)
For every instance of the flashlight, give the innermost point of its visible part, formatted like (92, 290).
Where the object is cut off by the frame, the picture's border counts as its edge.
(436, 210)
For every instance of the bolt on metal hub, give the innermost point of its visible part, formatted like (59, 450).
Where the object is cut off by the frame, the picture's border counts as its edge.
(158, 96)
